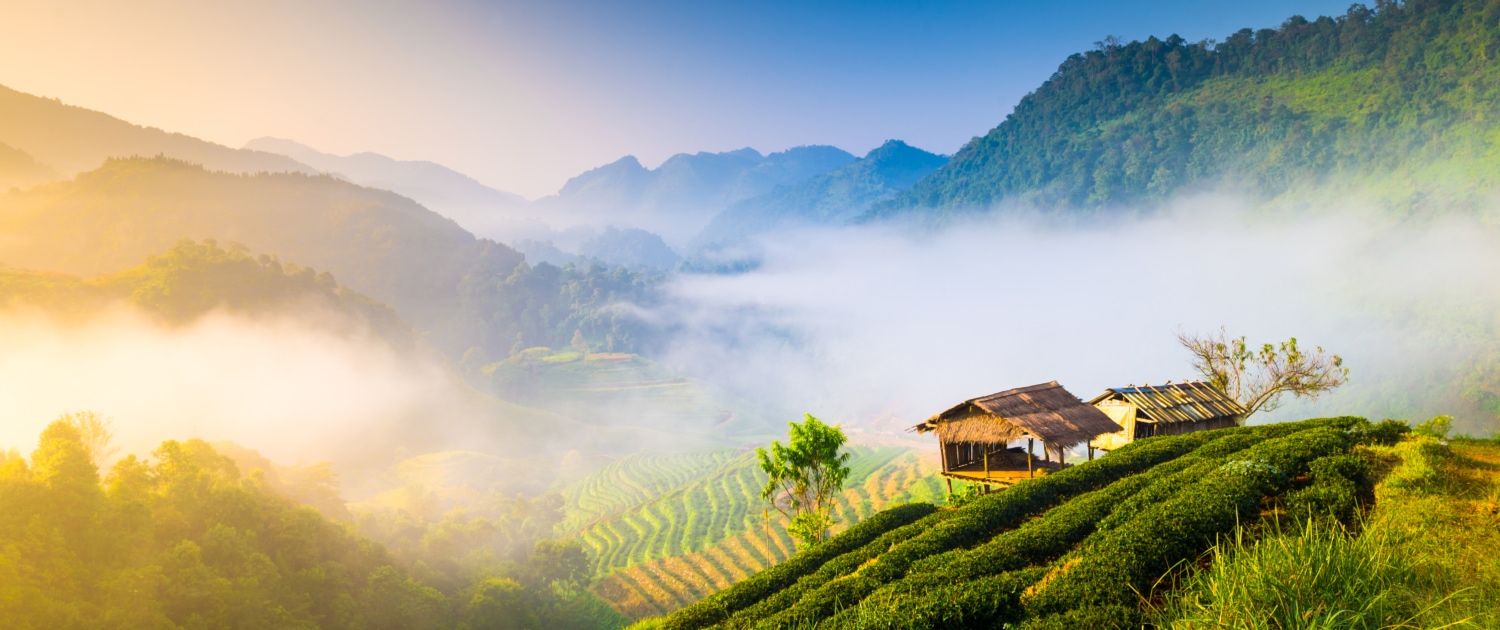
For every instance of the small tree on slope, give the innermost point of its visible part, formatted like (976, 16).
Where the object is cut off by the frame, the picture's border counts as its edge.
(806, 477)
(1257, 379)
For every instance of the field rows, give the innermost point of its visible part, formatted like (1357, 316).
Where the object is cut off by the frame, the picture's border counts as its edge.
(707, 527)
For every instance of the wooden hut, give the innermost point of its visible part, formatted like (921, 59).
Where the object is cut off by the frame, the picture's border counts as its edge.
(1169, 409)
(975, 436)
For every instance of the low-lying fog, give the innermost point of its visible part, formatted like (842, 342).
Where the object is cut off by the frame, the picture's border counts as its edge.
(890, 324)
(875, 327)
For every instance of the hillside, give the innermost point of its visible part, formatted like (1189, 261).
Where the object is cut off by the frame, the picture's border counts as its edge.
(70, 140)
(679, 197)
(618, 389)
(1083, 547)
(191, 279)
(478, 208)
(667, 529)
(833, 198)
(1397, 104)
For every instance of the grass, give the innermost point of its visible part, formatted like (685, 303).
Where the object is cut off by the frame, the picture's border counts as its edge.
(1424, 558)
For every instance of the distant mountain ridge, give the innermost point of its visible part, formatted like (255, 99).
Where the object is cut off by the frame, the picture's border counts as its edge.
(833, 198)
(480, 209)
(70, 140)
(678, 198)
(1397, 102)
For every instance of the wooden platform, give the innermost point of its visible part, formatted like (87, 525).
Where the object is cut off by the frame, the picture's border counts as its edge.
(975, 473)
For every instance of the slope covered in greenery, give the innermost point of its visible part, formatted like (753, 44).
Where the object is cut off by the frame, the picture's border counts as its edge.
(1399, 102)
(186, 539)
(667, 529)
(71, 140)
(1077, 548)
(463, 293)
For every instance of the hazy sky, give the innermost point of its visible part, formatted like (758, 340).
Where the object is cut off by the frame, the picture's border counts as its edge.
(524, 95)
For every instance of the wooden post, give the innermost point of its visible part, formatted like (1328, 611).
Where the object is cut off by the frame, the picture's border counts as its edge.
(943, 451)
(1030, 467)
(768, 537)
(1091, 452)
(950, 486)
(986, 448)
(1060, 456)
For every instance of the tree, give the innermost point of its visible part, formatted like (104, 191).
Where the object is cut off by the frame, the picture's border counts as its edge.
(96, 431)
(1257, 379)
(805, 477)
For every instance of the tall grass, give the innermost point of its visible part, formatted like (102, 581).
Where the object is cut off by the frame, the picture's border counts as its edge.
(1425, 557)
(1318, 578)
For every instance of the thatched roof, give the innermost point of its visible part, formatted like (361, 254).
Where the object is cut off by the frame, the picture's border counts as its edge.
(1180, 402)
(1046, 411)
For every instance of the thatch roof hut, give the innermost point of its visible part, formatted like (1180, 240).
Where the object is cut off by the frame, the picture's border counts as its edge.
(1170, 409)
(975, 435)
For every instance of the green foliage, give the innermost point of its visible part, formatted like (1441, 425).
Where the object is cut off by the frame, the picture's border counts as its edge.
(717, 607)
(1111, 567)
(1402, 95)
(193, 278)
(1384, 433)
(1436, 427)
(183, 541)
(804, 477)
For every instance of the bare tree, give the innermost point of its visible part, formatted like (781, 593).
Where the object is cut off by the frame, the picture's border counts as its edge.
(1257, 379)
(97, 432)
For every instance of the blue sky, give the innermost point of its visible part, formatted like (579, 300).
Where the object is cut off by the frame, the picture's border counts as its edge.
(524, 95)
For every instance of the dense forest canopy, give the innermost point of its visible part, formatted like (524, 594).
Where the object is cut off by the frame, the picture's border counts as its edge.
(1407, 90)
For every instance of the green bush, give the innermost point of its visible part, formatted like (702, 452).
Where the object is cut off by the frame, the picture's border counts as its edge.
(1340, 485)
(1090, 617)
(717, 607)
(1114, 565)
(990, 602)
(842, 565)
(1384, 433)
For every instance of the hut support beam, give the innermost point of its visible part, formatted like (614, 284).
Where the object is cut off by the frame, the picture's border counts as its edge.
(1091, 452)
(950, 487)
(1030, 467)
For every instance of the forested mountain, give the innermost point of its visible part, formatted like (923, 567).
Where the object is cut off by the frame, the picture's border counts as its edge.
(630, 247)
(832, 198)
(676, 199)
(463, 293)
(478, 208)
(71, 140)
(1399, 102)
(192, 279)
(19, 170)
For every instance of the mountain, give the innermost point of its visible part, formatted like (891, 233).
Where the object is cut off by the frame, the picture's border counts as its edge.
(478, 208)
(375, 242)
(19, 170)
(832, 198)
(1396, 103)
(679, 197)
(70, 140)
(630, 247)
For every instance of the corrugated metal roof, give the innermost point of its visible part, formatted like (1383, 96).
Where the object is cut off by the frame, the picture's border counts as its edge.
(1177, 402)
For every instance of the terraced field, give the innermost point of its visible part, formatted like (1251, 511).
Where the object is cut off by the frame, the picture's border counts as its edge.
(667, 530)
(1075, 549)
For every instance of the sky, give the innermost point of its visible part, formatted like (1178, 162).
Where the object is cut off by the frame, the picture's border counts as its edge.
(523, 96)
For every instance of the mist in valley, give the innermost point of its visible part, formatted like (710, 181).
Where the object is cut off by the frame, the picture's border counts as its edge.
(881, 326)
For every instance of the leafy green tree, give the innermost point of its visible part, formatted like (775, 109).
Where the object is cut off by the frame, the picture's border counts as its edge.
(1258, 378)
(805, 477)
(1437, 426)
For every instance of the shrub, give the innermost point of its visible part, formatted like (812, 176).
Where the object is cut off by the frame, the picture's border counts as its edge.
(1384, 433)
(1112, 566)
(717, 607)
(1437, 427)
(842, 565)
(1091, 617)
(990, 602)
